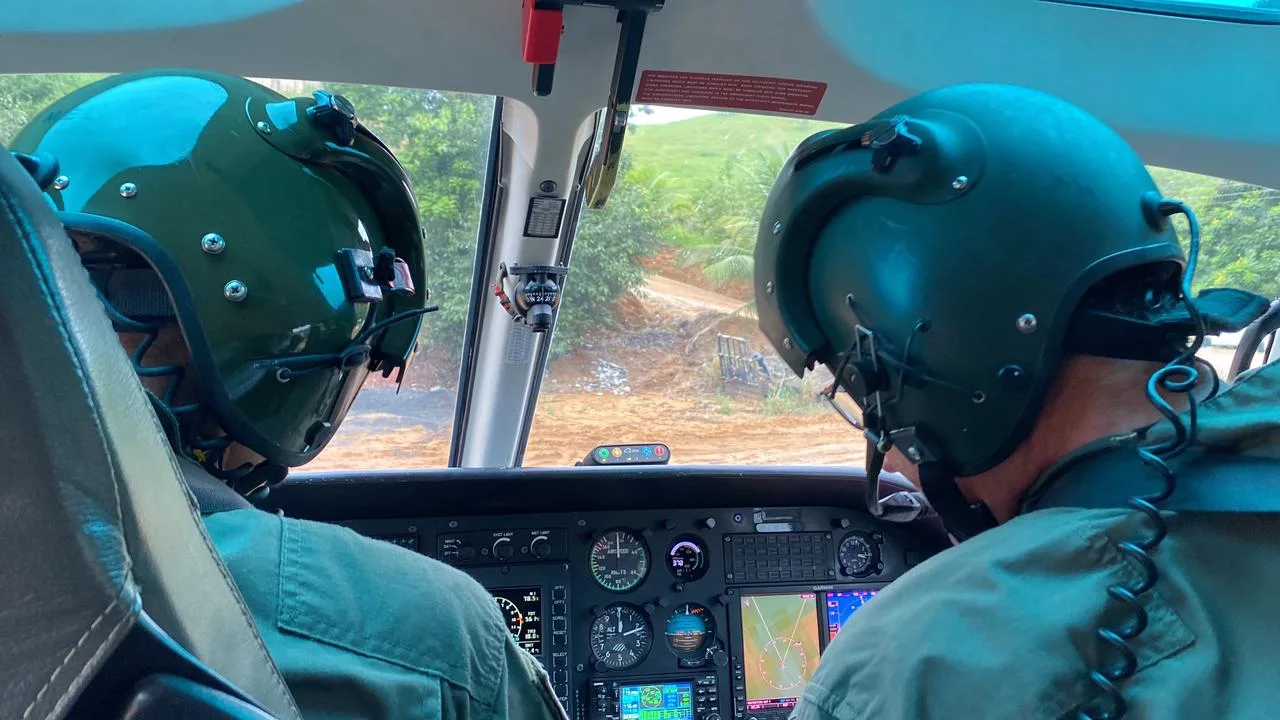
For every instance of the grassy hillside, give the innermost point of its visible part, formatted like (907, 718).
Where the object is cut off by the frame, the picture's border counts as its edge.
(692, 153)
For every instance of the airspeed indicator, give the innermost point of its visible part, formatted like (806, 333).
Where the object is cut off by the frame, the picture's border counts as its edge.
(619, 560)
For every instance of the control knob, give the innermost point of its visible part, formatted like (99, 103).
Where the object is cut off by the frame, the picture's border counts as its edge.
(712, 716)
(502, 549)
(466, 553)
(540, 547)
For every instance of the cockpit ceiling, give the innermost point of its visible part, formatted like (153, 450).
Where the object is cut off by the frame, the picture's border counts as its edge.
(1189, 93)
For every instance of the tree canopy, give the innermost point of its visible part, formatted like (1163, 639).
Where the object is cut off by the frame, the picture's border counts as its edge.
(695, 187)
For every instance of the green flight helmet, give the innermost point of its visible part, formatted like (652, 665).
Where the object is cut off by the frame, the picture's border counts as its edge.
(279, 234)
(935, 257)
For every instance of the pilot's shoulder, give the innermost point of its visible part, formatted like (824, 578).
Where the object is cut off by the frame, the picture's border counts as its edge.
(970, 628)
(393, 604)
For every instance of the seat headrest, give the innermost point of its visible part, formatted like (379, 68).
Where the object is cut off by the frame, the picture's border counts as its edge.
(91, 505)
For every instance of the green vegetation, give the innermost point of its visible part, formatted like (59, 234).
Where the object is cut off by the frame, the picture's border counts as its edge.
(717, 171)
(692, 154)
(695, 187)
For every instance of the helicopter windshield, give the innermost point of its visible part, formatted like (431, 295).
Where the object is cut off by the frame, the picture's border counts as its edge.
(656, 339)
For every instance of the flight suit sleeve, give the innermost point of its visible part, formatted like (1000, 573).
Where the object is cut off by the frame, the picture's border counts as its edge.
(360, 628)
(1001, 626)
(529, 692)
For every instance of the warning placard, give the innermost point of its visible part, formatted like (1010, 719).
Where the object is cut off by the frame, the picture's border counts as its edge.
(731, 92)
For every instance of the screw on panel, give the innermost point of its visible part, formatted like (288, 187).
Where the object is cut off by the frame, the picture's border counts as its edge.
(786, 343)
(913, 454)
(960, 183)
(128, 190)
(61, 182)
(548, 186)
(263, 127)
(768, 287)
(777, 228)
(1027, 323)
(213, 243)
(235, 291)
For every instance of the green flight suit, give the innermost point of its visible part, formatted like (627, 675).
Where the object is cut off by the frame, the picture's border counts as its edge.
(363, 629)
(1003, 625)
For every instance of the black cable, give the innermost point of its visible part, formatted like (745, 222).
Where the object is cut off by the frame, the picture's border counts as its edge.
(1180, 376)
(352, 356)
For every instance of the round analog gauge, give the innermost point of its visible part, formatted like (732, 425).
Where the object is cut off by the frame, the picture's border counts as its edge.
(619, 560)
(859, 555)
(687, 558)
(621, 637)
(690, 631)
(515, 619)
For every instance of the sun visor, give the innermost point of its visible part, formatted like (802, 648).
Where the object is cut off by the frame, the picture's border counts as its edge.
(933, 158)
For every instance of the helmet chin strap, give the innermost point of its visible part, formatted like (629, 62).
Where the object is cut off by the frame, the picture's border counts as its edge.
(962, 518)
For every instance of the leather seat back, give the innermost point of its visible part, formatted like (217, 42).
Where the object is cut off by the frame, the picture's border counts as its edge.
(95, 524)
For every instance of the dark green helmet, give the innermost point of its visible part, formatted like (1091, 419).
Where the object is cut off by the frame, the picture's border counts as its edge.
(284, 236)
(936, 255)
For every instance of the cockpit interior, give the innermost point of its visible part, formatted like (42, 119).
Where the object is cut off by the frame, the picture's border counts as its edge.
(593, 427)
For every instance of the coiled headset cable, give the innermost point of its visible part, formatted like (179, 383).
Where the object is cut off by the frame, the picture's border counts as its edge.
(1179, 377)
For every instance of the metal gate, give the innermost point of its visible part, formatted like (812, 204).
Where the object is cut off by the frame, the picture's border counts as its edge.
(741, 370)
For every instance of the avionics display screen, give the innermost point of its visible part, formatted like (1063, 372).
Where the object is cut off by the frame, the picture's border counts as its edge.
(522, 609)
(657, 701)
(779, 646)
(841, 604)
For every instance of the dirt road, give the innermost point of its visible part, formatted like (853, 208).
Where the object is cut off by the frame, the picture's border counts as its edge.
(666, 391)
(668, 291)
(569, 425)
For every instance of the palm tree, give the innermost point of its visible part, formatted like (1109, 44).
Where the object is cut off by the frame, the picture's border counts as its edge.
(720, 235)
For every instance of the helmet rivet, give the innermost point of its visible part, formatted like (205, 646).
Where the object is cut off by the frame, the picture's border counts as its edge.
(128, 190)
(263, 127)
(61, 182)
(1027, 324)
(777, 228)
(213, 243)
(979, 397)
(961, 182)
(768, 288)
(235, 291)
(786, 343)
(913, 454)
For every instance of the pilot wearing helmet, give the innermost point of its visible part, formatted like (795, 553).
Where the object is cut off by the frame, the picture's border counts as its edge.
(998, 287)
(259, 257)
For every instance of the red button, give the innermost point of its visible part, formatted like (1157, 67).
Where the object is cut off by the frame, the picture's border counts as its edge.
(659, 450)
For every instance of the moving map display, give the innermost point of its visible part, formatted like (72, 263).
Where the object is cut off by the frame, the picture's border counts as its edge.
(657, 701)
(780, 647)
(843, 603)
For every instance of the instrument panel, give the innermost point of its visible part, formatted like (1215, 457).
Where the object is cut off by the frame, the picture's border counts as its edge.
(685, 614)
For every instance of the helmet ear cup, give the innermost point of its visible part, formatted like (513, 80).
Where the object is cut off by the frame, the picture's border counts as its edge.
(964, 210)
